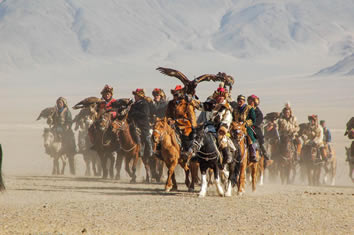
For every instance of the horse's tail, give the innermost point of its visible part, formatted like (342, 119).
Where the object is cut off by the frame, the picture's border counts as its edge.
(2, 185)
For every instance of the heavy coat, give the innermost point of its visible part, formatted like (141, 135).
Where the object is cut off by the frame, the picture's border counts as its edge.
(246, 114)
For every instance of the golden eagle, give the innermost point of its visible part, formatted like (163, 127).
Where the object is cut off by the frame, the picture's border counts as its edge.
(190, 85)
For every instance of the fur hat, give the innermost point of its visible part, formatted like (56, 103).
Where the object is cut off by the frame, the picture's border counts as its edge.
(139, 92)
(313, 117)
(107, 88)
(178, 89)
(63, 100)
(241, 97)
(220, 92)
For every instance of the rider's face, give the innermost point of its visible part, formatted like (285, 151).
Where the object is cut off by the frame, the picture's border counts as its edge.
(60, 104)
(241, 102)
(250, 102)
(157, 98)
(220, 99)
(287, 113)
(107, 95)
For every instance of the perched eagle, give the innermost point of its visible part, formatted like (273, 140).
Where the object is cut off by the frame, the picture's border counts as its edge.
(87, 102)
(47, 112)
(272, 116)
(190, 85)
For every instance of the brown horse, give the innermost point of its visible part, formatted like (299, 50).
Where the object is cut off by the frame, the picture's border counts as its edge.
(330, 166)
(350, 158)
(272, 139)
(127, 148)
(239, 134)
(164, 135)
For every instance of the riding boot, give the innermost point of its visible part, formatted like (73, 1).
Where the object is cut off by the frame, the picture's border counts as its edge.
(226, 155)
(252, 152)
(264, 152)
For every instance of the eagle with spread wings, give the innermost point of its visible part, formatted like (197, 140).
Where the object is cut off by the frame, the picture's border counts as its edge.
(191, 85)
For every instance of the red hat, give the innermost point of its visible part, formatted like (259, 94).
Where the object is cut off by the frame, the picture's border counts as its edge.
(177, 89)
(139, 92)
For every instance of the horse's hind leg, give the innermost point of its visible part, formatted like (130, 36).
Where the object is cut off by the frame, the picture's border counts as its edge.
(71, 159)
(171, 169)
(254, 176)
(55, 170)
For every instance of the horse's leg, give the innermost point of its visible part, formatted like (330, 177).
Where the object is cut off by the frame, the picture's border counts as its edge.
(204, 186)
(55, 164)
(86, 158)
(333, 170)
(71, 159)
(194, 174)
(171, 168)
(63, 160)
(103, 165)
(111, 165)
(159, 170)
(174, 182)
(242, 177)
(254, 175)
(147, 168)
(118, 166)
(219, 188)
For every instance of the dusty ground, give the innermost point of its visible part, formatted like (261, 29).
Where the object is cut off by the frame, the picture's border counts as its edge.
(74, 205)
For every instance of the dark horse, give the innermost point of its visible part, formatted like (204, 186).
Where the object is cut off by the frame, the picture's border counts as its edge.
(208, 156)
(313, 168)
(105, 143)
(287, 156)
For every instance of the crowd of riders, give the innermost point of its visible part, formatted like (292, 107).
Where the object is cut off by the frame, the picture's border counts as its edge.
(218, 111)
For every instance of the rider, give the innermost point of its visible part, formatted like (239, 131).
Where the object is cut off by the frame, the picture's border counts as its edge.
(139, 116)
(218, 113)
(181, 112)
(350, 132)
(288, 126)
(313, 136)
(61, 122)
(254, 101)
(159, 104)
(327, 137)
(107, 101)
(245, 113)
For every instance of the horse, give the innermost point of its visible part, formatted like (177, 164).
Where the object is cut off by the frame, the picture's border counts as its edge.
(312, 167)
(127, 148)
(208, 157)
(54, 148)
(105, 142)
(287, 164)
(350, 158)
(239, 134)
(330, 166)
(272, 140)
(83, 121)
(165, 136)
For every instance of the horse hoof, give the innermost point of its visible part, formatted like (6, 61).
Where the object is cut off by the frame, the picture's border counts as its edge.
(228, 194)
(191, 190)
(132, 181)
(201, 195)
(167, 190)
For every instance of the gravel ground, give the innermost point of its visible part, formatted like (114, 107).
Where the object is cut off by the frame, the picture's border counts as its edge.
(74, 205)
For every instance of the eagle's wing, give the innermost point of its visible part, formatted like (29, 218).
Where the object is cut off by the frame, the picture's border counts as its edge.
(87, 102)
(174, 73)
(220, 77)
(45, 113)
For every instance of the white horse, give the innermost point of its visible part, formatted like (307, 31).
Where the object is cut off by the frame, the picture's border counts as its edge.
(53, 147)
(90, 157)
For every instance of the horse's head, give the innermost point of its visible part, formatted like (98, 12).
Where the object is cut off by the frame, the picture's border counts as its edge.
(238, 130)
(48, 137)
(104, 121)
(159, 129)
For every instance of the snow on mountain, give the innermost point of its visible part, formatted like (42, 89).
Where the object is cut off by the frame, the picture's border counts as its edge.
(41, 32)
(343, 67)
